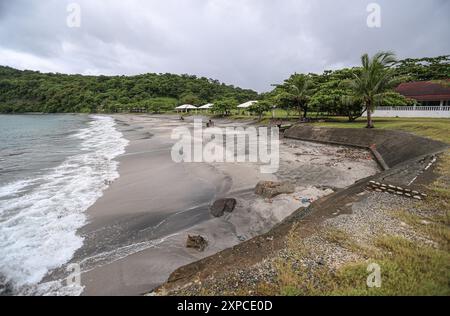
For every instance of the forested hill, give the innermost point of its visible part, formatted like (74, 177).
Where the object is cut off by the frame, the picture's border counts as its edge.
(31, 91)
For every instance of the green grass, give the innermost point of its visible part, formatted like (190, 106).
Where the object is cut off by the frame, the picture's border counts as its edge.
(407, 268)
(438, 129)
(277, 115)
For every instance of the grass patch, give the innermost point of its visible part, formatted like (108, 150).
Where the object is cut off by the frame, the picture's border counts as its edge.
(432, 217)
(437, 129)
(434, 128)
(407, 268)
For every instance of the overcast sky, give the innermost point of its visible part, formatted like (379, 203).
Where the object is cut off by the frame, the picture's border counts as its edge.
(249, 43)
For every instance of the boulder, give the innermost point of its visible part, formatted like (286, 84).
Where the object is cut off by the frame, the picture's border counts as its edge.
(270, 189)
(196, 242)
(222, 206)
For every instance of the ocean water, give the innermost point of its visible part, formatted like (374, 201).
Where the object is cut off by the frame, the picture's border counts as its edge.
(52, 169)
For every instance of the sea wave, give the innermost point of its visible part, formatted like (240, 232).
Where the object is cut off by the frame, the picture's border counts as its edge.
(38, 229)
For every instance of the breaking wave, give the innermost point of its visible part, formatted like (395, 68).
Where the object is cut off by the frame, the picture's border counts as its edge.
(39, 217)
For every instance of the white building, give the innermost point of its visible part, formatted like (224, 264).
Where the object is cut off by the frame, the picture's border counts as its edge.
(432, 100)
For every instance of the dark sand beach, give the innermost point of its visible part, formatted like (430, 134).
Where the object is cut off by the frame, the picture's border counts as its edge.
(136, 232)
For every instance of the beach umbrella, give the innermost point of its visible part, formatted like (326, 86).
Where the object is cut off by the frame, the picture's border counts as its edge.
(246, 105)
(206, 106)
(186, 107)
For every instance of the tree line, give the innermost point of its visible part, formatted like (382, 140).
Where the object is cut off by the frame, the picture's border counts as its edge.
(345, 92)
(352, 91)
(32, 91)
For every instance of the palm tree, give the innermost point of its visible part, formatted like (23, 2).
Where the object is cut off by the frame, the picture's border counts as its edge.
(298, 90)
(375, 79)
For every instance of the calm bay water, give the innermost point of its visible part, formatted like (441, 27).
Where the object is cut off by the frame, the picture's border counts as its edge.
(29, 144)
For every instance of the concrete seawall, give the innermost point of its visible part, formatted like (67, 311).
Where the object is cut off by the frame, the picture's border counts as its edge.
(390, 148)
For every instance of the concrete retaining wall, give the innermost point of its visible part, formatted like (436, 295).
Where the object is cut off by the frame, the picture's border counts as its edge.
(390, 148)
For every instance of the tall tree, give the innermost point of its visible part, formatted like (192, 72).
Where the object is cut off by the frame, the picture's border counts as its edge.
(298, 90)
(422, 69)
(224, 106)
(375, 79)
(260, 108)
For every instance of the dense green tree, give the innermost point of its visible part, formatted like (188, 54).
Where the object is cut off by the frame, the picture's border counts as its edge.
(224, 106)
(190, 98)
(334, 98)
(351, 106)
(375, 79)
(284, 101)
(31, 91)
(159, 105)
(297, 90)
(260, 108)
(424, 69)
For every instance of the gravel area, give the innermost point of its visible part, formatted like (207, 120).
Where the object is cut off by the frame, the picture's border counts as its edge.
(371, 216)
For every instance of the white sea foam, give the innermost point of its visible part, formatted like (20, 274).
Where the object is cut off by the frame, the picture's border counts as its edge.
(15, 188)
(38, 229)
(62, 288)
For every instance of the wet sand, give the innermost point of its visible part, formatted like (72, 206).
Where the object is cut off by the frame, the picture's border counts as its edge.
(137, 231)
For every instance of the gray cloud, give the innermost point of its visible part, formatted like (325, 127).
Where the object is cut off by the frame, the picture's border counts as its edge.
(250, 43)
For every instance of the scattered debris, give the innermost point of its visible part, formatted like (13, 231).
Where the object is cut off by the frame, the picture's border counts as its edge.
(353, 154)
(196, 242)
(270, 189)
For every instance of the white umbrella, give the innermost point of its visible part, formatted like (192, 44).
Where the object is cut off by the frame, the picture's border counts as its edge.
(206, 106)
(186, 107)
(246, 105)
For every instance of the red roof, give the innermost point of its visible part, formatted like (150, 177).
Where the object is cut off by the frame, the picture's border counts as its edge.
(425, 90)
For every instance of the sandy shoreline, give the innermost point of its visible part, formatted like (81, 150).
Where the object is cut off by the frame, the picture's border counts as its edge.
(137, 231)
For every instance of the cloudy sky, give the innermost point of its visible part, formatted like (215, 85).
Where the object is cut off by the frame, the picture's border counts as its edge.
(249, 43)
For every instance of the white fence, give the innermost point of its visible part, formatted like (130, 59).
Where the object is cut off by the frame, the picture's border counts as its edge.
(412, 111)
